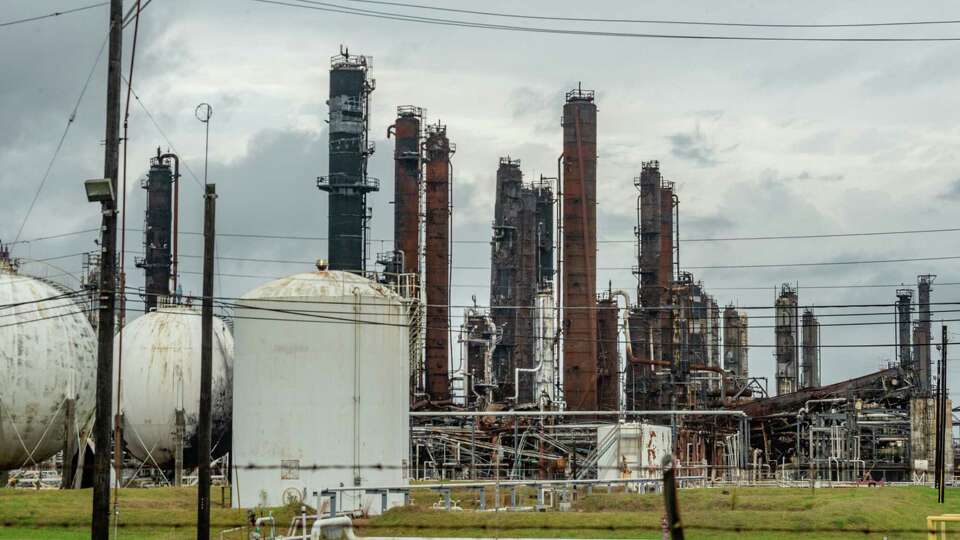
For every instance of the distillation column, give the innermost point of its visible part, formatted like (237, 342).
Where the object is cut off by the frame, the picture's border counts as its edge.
(157, 232)
(579, 250)
(347, 181)
(786, 336)
(437, 260)
(810, 335)
(406, 189)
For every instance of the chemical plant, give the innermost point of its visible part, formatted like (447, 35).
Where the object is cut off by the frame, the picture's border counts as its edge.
(344, 382)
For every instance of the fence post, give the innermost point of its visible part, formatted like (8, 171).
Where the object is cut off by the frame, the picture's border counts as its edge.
(670, 496)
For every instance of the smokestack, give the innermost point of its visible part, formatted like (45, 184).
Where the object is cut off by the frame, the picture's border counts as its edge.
(579, 250)
(347, 181)
(156, 232)
(438, 152)
(406, 189)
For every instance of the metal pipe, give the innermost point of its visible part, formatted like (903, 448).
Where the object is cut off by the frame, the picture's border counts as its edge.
(428, 414)
(176, 215)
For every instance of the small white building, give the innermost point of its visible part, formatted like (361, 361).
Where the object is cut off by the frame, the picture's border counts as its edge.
(321, 390)
(632, 450)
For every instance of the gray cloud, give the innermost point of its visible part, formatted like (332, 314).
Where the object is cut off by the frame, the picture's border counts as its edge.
(953, 190)
(694, 147)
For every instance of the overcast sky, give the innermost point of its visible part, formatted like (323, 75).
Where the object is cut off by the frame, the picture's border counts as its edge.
(762, 138)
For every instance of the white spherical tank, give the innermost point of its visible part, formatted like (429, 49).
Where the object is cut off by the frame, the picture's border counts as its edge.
(161, 375)
(322, 390)
(48, 354)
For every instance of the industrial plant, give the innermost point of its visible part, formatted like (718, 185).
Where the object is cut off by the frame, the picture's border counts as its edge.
(344, 382)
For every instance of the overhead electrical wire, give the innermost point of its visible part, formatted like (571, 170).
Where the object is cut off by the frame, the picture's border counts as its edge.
(54, 14)
(651, 21)
(338, 8)
(299, 237)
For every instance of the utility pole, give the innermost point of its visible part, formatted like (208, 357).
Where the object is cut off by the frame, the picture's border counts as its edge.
(206, 364)
(100, 524)
(943, 414)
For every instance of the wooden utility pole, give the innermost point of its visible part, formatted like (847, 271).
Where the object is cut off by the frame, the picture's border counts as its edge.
(945, 418)
(100, 525)
(206, 364)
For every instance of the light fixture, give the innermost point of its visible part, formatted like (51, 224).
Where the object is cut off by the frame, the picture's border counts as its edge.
(99, 190)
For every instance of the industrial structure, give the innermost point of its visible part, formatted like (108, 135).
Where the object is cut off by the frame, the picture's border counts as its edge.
(407, 132)
(293, 368)
(48, 357)
(158, 234)
(520, 269)
(579, 251)
(787, 345)
(160, 398)
(810, 350)
(557, 378)
(438, 150)
(347, 181)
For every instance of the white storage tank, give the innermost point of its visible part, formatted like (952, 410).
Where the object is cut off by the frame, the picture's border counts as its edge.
(48, 354)
(161, 376)
(321, 383)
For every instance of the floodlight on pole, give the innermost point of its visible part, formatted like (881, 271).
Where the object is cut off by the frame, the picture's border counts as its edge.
(99, 190)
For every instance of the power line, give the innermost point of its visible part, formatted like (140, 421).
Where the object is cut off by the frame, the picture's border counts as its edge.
(54, 14)
(163, 134)
(601, 241)
(63, 137)
(337, 8)
(651, 21)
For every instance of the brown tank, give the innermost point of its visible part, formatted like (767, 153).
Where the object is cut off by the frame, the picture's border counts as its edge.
(579, 251)
(437, 260)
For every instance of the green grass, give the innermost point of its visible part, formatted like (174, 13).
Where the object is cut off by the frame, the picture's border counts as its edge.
(892, 512)
(152, 514)
(734, 514)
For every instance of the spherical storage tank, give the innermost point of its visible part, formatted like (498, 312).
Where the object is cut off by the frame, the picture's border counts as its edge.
(161, 376)
(321, 383)
(48, 354)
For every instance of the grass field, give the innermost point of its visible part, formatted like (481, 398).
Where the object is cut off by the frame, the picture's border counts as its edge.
(741, 514)
(151, 514)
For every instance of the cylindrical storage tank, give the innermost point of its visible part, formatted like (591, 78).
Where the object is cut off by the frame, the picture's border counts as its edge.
(322, 385)
(161, 376)
(48, 354)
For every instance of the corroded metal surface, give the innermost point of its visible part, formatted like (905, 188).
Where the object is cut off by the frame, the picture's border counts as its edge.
(161, 374)
(608, 357)
(406, 188)
(579, 251)
(513, 279)
(47, 354)
(437, 261)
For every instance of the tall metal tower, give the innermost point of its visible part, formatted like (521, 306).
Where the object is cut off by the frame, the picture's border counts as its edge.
(580, 250)
(347, 181)
(157, 232)
(787, 321)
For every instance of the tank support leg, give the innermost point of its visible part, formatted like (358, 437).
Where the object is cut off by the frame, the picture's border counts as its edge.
(178, 453)
(69, 443)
